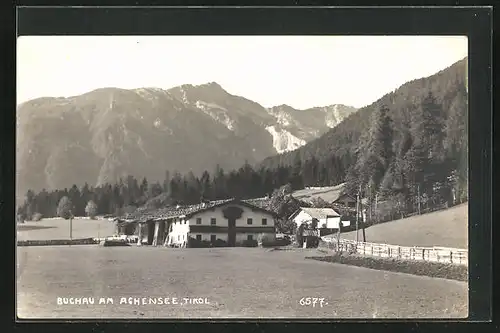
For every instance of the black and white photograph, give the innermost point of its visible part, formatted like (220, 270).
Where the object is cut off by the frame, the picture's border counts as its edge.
(214, 177)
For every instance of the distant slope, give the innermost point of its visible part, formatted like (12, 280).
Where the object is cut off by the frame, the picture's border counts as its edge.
(328, 193)
(447, 228)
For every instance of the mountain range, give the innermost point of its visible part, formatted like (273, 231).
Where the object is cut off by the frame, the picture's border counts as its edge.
(108, 133)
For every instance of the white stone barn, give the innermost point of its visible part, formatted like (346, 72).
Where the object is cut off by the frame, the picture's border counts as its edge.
(232, 221)
(326, 218)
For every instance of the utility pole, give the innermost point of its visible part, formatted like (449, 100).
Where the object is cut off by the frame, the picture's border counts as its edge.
(70, 225)
(357, 217)
(338, 234)
(418, 198)
(370, 202)
(376, 211)
(361, 209)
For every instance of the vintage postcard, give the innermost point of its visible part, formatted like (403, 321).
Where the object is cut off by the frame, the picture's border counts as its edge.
(242, 177)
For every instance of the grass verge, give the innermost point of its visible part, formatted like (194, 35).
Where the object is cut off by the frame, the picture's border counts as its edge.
(432, 269)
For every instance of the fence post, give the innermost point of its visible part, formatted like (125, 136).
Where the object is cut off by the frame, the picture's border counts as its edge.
(372, 249)
(423, 254)
(437, 256)
(364, 248)
(399, 252)
(451, 257)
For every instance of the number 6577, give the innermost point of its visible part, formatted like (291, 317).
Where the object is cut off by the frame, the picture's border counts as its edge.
(312, 301)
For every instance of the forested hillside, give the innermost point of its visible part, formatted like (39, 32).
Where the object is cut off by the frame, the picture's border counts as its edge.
(410, 146)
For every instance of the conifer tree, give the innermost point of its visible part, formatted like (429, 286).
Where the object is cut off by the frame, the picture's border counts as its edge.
(91, 209)
(65, 208)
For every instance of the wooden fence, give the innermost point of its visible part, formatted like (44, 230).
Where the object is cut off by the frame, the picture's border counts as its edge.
(433, 254)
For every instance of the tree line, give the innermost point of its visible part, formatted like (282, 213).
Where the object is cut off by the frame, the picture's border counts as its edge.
(127, 194)
(407, 151)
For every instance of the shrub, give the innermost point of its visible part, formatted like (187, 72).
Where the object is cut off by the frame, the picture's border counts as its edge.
(130, 229)
(261, 238)
(219, 243)
(275, 242)
(114, 242)
(319, 202)
(250, 243)
(36, 217)
(432, 269)
(91, 209)
(64, 208)
(128, 209)
(194, 243)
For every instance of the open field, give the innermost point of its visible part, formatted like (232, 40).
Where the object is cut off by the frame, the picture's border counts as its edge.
(59, 229)
(447, 228)
(328, 193)
(237, 282)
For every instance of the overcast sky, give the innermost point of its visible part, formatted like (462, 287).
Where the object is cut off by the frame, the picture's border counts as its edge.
(301, 71)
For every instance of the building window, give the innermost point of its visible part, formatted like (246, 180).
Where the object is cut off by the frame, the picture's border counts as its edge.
(198, 220)
(198, 237)
(213, 221)
(249, 221)
(213, 238)
(250, 237)
(351, 204)
(264, 221)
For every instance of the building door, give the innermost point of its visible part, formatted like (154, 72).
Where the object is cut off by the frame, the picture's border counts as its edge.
(231, 232)
(232, 213)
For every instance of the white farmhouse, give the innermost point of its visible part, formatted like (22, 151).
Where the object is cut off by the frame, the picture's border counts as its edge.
(232, 221)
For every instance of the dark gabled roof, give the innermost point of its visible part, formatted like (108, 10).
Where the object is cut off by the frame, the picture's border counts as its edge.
(262, 203)
(144, 215)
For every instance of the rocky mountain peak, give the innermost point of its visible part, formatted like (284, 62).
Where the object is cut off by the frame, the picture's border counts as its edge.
(110, 132)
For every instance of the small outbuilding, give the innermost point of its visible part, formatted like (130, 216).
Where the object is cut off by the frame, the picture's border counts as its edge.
(326, 219)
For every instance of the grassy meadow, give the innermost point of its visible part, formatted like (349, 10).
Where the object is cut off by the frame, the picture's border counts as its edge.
(447, 228)
(237, 282)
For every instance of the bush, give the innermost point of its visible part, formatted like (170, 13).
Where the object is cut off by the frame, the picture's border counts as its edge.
(36, 217)
(64, 208)
(219, 243)
(250, 243)
(91, 209)
(114, 242)
(130, 229)
(432, 269)
(275, 242)
(194, 243)
(128, 209)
